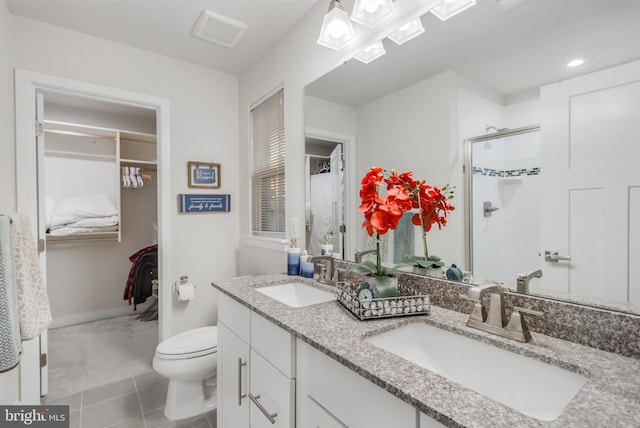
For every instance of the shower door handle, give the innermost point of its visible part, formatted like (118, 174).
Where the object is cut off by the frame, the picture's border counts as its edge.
(240, 394)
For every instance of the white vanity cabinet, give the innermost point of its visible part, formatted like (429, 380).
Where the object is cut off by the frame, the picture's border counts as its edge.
(256, 370)
(329, 395)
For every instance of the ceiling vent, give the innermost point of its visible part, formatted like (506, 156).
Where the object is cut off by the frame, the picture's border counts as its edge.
(218, 29)
(505, 5)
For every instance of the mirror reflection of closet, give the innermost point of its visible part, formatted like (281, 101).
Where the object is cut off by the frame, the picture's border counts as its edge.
(324, 196)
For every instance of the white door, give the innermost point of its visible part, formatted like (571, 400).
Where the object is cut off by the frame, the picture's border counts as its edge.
(337, 198)
(590, 185)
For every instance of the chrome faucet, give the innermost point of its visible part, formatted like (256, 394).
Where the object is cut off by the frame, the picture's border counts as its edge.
(495, 319)
(359, 254)
(523, 279)
(326, 276)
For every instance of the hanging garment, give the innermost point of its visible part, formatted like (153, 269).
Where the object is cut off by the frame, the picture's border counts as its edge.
(144, 270)
(33, 303)
(9, 319)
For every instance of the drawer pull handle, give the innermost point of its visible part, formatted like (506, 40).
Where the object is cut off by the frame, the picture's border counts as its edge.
(240, 394)
(271, 417)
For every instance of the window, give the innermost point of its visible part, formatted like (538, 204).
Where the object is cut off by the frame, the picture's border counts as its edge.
(267, 167)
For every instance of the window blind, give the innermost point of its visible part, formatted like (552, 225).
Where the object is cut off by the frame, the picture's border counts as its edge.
(267, 173)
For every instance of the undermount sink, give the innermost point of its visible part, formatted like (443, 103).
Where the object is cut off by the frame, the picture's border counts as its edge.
(537, 389)
(296, 294)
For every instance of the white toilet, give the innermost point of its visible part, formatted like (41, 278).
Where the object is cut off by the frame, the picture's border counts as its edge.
(188, 359)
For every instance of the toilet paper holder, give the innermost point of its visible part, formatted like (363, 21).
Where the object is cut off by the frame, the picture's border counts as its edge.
(178, 288)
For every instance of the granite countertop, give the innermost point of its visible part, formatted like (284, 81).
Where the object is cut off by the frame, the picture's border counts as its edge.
(610, 397)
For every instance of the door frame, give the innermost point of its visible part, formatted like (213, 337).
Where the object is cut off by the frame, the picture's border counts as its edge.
(27, 84)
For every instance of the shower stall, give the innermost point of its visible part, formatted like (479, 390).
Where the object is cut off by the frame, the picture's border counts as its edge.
(503, 201)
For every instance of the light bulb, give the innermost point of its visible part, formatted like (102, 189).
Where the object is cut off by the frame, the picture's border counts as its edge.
(337, 29)
(371, 6)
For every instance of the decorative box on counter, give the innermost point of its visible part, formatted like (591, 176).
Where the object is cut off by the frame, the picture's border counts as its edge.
(408, 303)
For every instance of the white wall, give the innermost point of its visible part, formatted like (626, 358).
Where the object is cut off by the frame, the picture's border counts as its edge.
(204, 127)
(328, 116)
(7, 168)
(9, 381)
(418, 137)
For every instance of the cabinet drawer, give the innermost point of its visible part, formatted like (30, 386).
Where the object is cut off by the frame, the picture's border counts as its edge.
(274, 343)
(235, 316)
(273, 391)
(347, 396)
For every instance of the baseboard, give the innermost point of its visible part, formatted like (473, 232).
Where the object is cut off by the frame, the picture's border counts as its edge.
(81, 318)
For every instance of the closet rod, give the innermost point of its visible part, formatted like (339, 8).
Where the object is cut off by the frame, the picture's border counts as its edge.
(78, 154)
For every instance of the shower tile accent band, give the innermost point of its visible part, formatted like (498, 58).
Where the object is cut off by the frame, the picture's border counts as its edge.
(490, 172)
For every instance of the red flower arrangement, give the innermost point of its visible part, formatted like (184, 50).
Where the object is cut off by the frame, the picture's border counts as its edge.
(403, 193)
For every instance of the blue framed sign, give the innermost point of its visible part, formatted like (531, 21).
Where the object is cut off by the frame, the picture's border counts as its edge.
(204, 203)
(204, 175)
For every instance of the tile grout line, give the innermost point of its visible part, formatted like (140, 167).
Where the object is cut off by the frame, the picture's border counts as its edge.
(135, 385)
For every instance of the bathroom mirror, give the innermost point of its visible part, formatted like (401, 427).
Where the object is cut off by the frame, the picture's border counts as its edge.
(476, 73)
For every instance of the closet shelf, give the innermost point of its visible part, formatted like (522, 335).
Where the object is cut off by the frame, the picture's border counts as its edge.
(84, 237)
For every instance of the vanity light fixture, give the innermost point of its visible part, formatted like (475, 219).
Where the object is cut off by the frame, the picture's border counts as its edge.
(371, 12)
(337, 31)
(407, 32)
(575, 62)
(372, 52)
(449, 8)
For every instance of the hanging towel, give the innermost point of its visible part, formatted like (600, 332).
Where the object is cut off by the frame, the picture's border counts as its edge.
(33, 303)
(9, 319)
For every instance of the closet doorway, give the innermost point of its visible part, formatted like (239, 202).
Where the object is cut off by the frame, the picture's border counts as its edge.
(119, 129)
(327, 206)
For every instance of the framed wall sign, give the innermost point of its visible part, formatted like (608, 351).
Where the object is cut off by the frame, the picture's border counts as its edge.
(204, 203)
(204, 175)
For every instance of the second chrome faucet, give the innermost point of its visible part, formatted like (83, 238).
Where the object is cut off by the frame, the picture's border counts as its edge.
(494, 320)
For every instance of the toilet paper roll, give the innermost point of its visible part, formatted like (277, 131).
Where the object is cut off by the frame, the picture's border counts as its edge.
(185, 290)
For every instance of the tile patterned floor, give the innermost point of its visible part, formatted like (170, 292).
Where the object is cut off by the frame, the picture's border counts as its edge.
(136, 402)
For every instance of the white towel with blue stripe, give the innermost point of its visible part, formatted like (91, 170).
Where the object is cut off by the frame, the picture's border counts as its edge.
(9, 319)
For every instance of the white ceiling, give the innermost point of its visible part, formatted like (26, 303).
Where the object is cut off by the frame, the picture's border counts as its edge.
(510, 53)
(164, 26)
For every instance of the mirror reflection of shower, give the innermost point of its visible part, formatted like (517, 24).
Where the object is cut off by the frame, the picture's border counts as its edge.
(505, 202)
(324, 196)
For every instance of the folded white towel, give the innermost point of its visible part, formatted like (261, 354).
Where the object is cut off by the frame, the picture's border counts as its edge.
(77, 208)
(92, 222)
(33, 303)
(9, 320)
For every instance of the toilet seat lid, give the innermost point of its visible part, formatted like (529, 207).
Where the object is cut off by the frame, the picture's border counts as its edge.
(191, 343)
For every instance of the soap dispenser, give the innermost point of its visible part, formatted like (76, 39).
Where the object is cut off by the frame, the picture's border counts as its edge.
(326, 249)
(293, 258)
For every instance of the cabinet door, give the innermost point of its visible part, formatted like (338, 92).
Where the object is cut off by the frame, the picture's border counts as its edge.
(272, 395)
(233, 359)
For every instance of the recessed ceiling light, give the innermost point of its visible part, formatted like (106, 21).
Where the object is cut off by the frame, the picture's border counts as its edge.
(575, 62)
